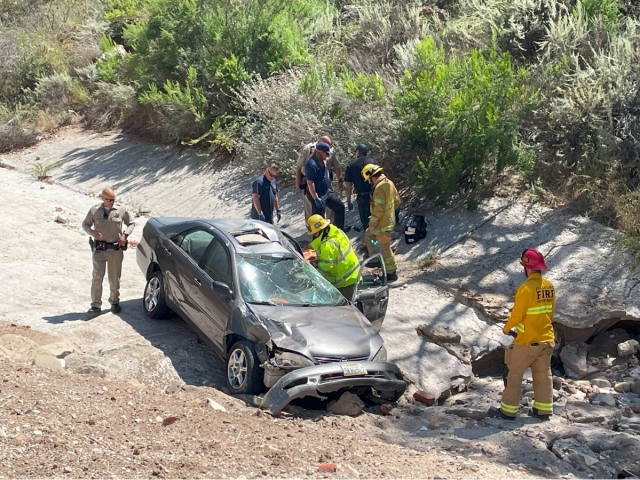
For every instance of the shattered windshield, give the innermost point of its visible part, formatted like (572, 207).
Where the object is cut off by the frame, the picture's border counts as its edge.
(284, 279)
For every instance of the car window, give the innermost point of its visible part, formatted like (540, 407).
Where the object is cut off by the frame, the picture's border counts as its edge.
(284, 280)
(218, 263)
(195, 243)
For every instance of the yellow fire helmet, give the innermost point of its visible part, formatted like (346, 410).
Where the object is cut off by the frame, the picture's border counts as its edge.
(369, 170)
(316, 223)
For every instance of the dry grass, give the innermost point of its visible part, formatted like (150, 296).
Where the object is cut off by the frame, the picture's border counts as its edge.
(12, 138)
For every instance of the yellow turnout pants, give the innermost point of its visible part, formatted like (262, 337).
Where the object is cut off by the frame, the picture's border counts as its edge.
(518, 359)
(383, 247)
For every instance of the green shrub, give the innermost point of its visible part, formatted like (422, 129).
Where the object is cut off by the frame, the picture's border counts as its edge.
(464, 114)
(368, 88)
(59, 92)
(111, 106)
(177, 112)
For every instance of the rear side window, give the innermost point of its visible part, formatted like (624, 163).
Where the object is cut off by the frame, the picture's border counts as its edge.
(195, 243)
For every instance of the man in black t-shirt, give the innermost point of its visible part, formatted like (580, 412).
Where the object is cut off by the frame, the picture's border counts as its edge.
(353, 178)
(264, 196)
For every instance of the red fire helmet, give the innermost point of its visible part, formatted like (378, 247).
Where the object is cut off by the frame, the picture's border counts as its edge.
(533, 259)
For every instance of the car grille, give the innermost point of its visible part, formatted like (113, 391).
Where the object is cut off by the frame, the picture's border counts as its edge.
(340, 359)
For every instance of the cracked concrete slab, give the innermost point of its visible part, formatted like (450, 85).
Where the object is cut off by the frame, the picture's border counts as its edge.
(591, 275)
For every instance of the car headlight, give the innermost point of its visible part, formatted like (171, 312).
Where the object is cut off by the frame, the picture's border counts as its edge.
(381, 356)
(292, 360)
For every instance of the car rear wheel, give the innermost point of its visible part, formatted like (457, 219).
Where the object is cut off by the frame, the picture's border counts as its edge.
(243, 371)
(153, 300)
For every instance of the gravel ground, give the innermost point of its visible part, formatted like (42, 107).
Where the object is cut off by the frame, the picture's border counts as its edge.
(55, 424)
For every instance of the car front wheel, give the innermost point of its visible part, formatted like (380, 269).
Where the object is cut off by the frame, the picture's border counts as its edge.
(153, 300)
(243, 371)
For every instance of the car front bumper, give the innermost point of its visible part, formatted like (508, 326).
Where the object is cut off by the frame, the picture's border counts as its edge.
(322, 379)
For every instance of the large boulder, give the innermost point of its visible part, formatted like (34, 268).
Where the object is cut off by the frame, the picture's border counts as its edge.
(574, 356)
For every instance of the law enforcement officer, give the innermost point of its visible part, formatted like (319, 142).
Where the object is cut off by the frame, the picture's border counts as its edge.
(108, 241)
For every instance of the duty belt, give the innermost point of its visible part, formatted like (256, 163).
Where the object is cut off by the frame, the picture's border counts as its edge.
(102, 245)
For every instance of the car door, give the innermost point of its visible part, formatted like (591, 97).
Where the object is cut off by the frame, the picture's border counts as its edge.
(215, 292)
(371, 296)
(191, 248)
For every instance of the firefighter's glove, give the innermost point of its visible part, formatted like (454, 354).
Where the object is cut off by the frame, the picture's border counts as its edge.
(319, 202)
(278, 215)
(350, 205)
(262, 217)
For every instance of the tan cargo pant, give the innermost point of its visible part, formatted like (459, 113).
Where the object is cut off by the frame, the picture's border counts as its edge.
(330, 214)
(518, 359)
(383, 247)
(111, 261)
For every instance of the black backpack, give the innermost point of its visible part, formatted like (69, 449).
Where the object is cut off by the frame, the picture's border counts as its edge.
(415, 228)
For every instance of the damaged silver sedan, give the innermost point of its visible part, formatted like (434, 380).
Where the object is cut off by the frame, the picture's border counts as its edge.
(244, 286)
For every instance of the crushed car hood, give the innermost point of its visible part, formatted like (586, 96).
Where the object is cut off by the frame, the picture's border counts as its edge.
(320, 331)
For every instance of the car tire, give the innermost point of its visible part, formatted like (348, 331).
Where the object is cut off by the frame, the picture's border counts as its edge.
(153, 300)
(243, 371)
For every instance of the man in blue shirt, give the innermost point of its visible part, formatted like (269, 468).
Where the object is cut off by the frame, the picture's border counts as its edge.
(265, 196)
(319, 189)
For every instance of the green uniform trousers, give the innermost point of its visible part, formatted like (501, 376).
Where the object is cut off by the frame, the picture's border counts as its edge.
(111, 262)
(518, 358)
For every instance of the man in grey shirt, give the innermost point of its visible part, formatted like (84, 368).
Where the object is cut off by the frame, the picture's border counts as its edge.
(104, 223)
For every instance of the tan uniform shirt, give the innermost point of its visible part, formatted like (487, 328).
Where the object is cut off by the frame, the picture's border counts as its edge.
(305, 155)
(108, 222)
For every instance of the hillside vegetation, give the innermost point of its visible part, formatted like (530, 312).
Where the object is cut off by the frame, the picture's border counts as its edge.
(448, 93)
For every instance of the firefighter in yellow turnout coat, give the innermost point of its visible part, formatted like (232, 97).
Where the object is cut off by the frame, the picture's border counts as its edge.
(531, 316)
(336, 260)
(384, 202)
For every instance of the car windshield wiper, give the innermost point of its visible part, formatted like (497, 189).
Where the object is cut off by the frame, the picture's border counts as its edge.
(262, 303)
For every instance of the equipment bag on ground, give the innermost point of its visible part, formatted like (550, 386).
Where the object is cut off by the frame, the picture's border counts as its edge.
(415, 228)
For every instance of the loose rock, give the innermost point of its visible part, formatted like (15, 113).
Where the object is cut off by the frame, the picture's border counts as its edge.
(627, 348)
(439, 334)
(601, 382)
(348, 404)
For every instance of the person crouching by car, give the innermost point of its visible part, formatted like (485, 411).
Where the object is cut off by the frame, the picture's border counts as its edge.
(336, 260)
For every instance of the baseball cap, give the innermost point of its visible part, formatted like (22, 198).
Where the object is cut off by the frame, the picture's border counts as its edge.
(324, 147)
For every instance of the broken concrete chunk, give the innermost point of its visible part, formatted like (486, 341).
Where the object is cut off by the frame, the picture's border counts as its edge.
(627, 348)
(49, 361)
(574, 356)
(580, 412)
(215, 405)
(438, 334)
(605, 399)
(348, 404)
(635, 388)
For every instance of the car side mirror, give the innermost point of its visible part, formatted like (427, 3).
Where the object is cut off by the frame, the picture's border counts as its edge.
(222, 288)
